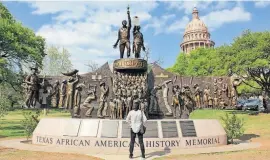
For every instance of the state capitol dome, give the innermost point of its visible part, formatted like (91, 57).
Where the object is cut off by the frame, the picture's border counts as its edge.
(196, 34)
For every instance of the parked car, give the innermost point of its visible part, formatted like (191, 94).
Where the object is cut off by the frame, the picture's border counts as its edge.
(253, 104)
(240, 104)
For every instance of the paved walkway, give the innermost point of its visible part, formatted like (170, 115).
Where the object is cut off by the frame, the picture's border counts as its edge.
(122, 154)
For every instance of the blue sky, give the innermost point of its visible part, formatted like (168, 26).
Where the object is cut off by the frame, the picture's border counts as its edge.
(88, 29)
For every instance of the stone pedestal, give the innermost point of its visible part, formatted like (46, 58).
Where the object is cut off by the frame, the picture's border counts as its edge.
(95, 133)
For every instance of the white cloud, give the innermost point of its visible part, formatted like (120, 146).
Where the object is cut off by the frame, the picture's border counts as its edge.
(159, 23)
(262, 4)
(216, 19)
(188, 6)
(178, 26)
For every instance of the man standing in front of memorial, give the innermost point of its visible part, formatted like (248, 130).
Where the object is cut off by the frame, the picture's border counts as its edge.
(136, 119)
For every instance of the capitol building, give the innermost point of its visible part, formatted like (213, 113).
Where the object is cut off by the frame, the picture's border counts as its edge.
(196, 35)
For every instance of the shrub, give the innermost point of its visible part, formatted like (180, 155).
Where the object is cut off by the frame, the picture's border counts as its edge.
(30, 122)
(234, 126)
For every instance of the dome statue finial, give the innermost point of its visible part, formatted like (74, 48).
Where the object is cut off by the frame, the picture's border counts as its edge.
(195, 13)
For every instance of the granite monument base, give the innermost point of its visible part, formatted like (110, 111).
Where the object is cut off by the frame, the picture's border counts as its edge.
(91, 133)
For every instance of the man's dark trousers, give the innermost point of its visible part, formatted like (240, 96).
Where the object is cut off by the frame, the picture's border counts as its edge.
(132, 141)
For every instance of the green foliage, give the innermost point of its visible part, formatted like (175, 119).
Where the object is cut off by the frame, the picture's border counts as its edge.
(56, 61)
(233, 126)
(30, 122)
(244, 88)
(18, 45)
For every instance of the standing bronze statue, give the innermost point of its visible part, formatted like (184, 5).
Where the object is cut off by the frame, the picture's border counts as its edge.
(31, 87)
(102, 100)
(206, 95)
(124, 37)
(72, 82)
(63, 94)
(197, 94)
(154, 107)
(138, 42)
(177, 101)
(55, 94)
(165, 97)
(112, 105)
(77, 100)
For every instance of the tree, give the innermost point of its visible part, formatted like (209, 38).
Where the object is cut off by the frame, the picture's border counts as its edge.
(18, 45)
(251, 57)
(181, 65)
(56, 61)
(92, 66)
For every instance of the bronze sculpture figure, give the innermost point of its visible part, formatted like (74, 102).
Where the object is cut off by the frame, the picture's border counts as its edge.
(55, 94)
(177, 101)
(124, 37)
(206, 95)
(112, 108)
(165, 97)
(102, 100)
(77, 100)
(63, 94)
(138, 42)
(197, 94)
(72, 82)
(87, 102)
(32, 82)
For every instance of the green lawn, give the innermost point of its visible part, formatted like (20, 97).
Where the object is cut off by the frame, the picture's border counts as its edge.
(254, 124)
(10, 125)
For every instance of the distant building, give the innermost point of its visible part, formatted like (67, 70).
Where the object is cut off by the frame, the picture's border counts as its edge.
(196, 35)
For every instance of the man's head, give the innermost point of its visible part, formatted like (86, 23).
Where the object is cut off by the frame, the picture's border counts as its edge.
(136, 106)
(124, 23)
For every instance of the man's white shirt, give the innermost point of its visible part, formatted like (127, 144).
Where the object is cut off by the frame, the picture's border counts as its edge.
(134, 119)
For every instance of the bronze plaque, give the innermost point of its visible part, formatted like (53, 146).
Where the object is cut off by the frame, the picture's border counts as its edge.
(188, 129)
(130, 63)
(169, 129)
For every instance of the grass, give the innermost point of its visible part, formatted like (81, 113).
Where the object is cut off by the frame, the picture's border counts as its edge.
(10, 125)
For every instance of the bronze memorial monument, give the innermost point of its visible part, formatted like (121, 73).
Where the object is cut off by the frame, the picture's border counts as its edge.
(100, 101)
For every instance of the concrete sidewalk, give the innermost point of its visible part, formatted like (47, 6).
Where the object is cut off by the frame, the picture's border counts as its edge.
(122, 154)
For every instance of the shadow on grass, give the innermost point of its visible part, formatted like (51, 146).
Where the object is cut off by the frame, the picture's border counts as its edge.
(242, 112)
(247, 137)
(15, 127)
(2, 136)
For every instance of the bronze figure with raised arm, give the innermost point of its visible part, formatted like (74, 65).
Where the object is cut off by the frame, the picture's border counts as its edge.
(124, 36)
